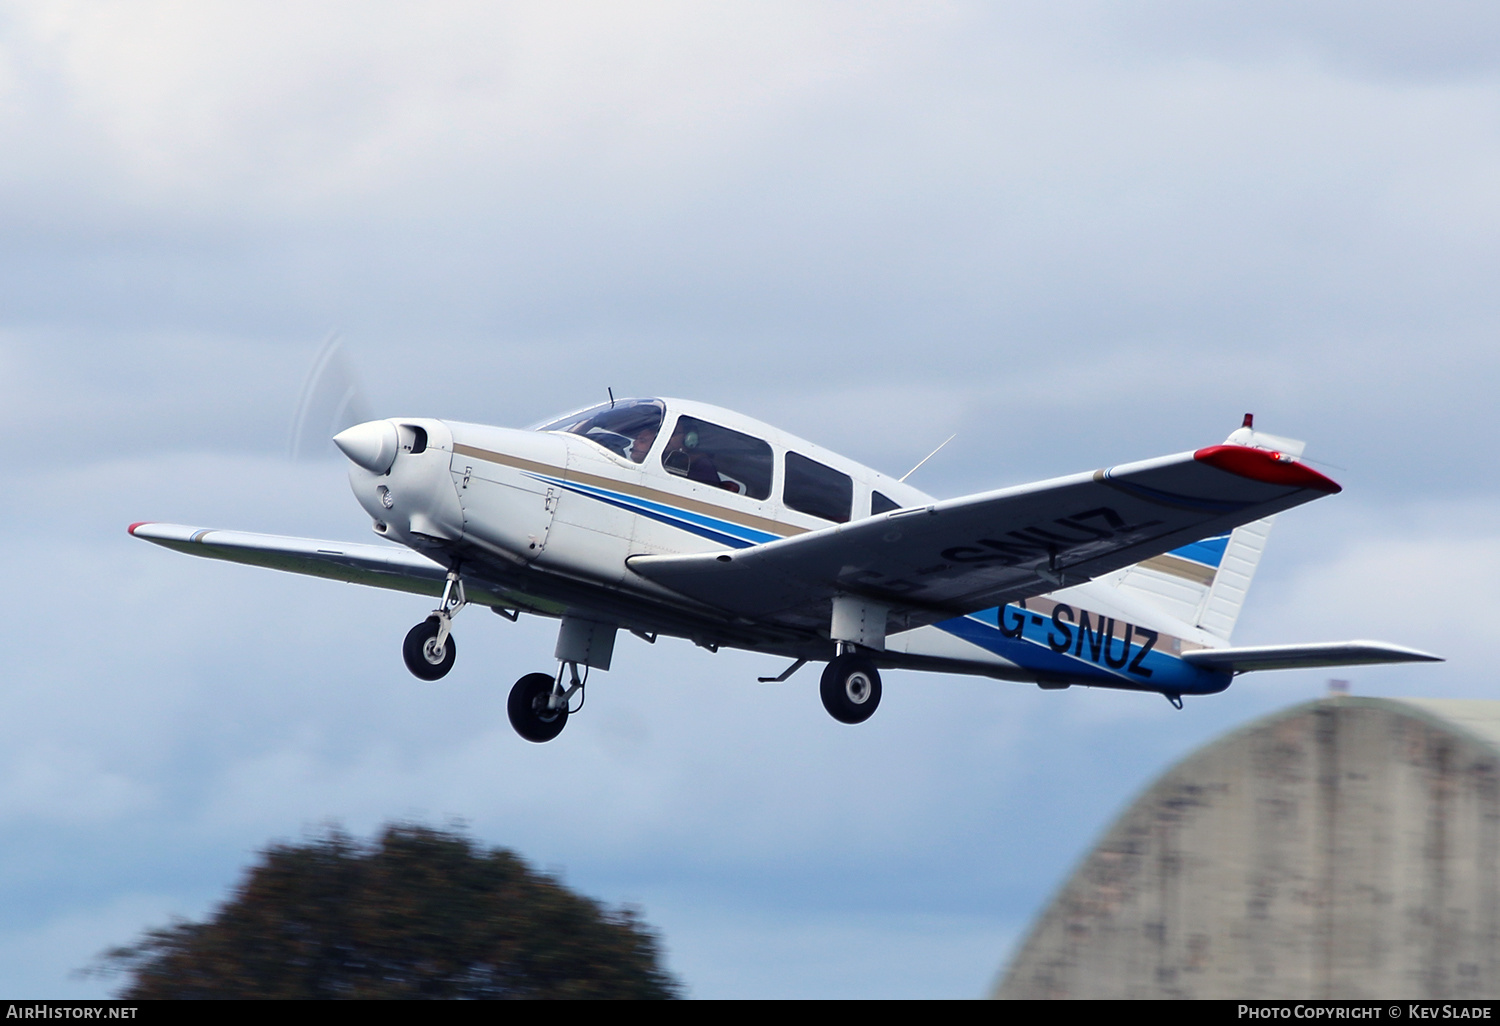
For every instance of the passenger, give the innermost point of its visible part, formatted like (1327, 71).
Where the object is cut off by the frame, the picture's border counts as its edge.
(693, 463)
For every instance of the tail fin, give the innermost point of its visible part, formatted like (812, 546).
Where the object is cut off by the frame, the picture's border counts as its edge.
(1205, 583)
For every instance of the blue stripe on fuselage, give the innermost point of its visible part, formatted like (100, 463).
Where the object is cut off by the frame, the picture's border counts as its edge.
(1077, 645)
(725, 532)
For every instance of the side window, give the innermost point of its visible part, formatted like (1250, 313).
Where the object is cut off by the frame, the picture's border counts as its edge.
(881, 504)
(717, 456)
(816, 489)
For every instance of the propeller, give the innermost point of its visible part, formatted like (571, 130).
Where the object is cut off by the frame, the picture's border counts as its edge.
(333, 399)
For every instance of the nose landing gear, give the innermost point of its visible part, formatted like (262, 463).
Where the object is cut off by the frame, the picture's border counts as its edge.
(428, 656)
(429, 650)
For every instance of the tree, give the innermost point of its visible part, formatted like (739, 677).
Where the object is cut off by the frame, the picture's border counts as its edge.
(419, 913)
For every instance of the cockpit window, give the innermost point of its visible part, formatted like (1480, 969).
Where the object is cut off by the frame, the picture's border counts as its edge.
(626, 427)
(717, 456)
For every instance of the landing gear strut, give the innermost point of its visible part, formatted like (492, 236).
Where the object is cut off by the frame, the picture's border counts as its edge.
(538, 704)
(429, 650)
(850, 688)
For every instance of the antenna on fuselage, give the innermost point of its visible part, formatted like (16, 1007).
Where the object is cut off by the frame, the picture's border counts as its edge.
(611, 392)
(929, 456)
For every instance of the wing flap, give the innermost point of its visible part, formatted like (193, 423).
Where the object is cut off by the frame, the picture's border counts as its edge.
(965, 554)
(1291, 657)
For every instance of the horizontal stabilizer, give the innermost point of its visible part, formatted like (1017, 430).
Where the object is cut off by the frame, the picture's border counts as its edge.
(1292, 657)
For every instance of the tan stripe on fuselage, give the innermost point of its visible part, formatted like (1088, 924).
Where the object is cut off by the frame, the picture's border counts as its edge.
(1178, 567)
(639, 491)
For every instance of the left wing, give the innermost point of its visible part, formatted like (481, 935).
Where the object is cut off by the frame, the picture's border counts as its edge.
(382, 566)
(984, 550)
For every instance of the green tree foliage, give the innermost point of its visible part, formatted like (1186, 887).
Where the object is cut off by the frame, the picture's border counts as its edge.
(419, 913)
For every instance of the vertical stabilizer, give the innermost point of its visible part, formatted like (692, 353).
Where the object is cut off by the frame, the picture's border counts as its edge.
(1205, 583)
(1226, 594)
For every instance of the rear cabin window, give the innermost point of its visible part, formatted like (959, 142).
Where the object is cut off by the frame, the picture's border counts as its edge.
(626, 427)
(818, 490)
(719, 457)
(881, 504)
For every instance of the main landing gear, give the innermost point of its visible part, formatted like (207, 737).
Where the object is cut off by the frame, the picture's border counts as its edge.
(538, 704)
(429, 650)
(850, 688)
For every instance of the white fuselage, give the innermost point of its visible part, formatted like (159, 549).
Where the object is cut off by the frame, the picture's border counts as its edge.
(549, 519)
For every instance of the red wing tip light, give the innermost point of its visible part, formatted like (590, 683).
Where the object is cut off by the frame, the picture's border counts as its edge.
(139, 523)
(1263, 465)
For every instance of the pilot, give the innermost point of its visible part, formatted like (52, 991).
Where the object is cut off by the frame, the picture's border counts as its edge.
(643, 441)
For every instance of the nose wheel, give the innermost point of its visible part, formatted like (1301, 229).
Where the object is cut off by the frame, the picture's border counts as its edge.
(427, 656)
(850, 688)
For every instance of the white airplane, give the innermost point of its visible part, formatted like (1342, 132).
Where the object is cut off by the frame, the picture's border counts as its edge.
(669, 517)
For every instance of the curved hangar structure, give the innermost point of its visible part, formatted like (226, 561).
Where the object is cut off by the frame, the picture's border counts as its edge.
(1347, 848)
(669, 517)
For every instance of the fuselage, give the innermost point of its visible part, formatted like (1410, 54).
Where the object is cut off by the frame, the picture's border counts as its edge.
(547, 518)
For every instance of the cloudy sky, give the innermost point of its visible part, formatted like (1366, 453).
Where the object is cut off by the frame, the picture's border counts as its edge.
(1074, 233)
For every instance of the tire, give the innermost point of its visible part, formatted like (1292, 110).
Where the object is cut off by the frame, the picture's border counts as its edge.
(417, 650)
(851, 688)
(528, 710)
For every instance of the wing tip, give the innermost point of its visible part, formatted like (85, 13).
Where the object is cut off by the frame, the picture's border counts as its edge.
(139, 523)
(1402, 653)
(1266, 466)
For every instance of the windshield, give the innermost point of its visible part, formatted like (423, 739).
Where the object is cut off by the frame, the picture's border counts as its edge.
(626, 427)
